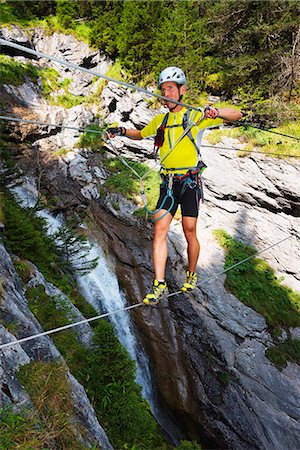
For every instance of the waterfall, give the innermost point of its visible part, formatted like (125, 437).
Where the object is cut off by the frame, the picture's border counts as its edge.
(100, 288)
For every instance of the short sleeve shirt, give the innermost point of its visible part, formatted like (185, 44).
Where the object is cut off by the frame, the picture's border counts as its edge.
(184, 153)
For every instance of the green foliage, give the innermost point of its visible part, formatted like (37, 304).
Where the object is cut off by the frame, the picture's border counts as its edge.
(75, 250)
(124, 181)
(255, 139)
(255, 283)
(214, 42)
(116, 397)
(50, 391)
(288, 350)
(107, 373)
(14, 72)
(23, 269)
(23, 10)
(91, 140)
(187, 445)
(21, 429)
(25, 235)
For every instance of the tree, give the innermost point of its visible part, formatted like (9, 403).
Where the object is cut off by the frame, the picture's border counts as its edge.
(290, 74)
(75, 249)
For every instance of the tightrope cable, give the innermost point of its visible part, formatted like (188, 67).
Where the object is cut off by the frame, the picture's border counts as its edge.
(215, 147)
(101, 316)
(242, 123)
(235, 265)
(51, 125)
(92, 72)
(70, 325)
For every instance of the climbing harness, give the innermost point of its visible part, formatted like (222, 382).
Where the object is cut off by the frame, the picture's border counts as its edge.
(192, 177)
(74, 324)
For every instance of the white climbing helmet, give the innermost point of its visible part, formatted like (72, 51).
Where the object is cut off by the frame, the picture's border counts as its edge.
(172, 74)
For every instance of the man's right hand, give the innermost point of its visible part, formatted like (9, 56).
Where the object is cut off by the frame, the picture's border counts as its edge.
(116, 131)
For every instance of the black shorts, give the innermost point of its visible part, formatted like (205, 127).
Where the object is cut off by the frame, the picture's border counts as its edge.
(189, 201)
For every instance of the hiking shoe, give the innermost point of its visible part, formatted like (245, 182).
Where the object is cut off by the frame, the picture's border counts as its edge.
(160, 290)
(190, 282)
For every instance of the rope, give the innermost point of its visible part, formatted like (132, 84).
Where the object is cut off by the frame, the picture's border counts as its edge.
(123, 83)
(240, 123)
(234, 265)
(91, 72)
(250, 151)
(55, 125)
(71, 325)
(33, 122)
(65, 327)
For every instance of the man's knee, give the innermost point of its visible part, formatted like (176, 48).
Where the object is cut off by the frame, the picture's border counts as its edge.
(189, 225)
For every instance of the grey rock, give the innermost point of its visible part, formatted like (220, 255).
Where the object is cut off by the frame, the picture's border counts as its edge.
(78, 169)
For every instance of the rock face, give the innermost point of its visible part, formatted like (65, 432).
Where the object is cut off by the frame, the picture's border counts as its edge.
(14, 310)
(207, 350)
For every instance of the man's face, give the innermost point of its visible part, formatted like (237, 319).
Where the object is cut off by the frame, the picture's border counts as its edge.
(170, 90)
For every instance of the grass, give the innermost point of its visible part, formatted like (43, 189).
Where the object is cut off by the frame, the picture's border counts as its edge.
(50, 424)
(91, 141)
(23, 429)
(263, 141)
(256, 285)
(124, 181)
(288, 350)
(50, 392)
(14, 72)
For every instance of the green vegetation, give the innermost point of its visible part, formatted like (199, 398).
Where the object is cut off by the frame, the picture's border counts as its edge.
(91, 140)
(25, 235)
(277, 146)
(188, 445)
(122, 180)
(14, 72)
(255, 284)
(21, 430)
(288, 350)
(215, 42)
(107, 373)
(50, 392)
(105, 370)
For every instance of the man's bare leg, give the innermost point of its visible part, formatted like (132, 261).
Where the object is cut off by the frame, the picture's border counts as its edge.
(189, 225)
(160, 246)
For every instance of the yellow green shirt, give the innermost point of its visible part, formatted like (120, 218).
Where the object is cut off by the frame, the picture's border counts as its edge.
(184, 153)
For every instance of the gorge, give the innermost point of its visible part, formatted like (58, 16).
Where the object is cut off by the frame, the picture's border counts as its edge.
(206, 351)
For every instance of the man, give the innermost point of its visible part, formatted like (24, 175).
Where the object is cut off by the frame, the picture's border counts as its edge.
(179, 154)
